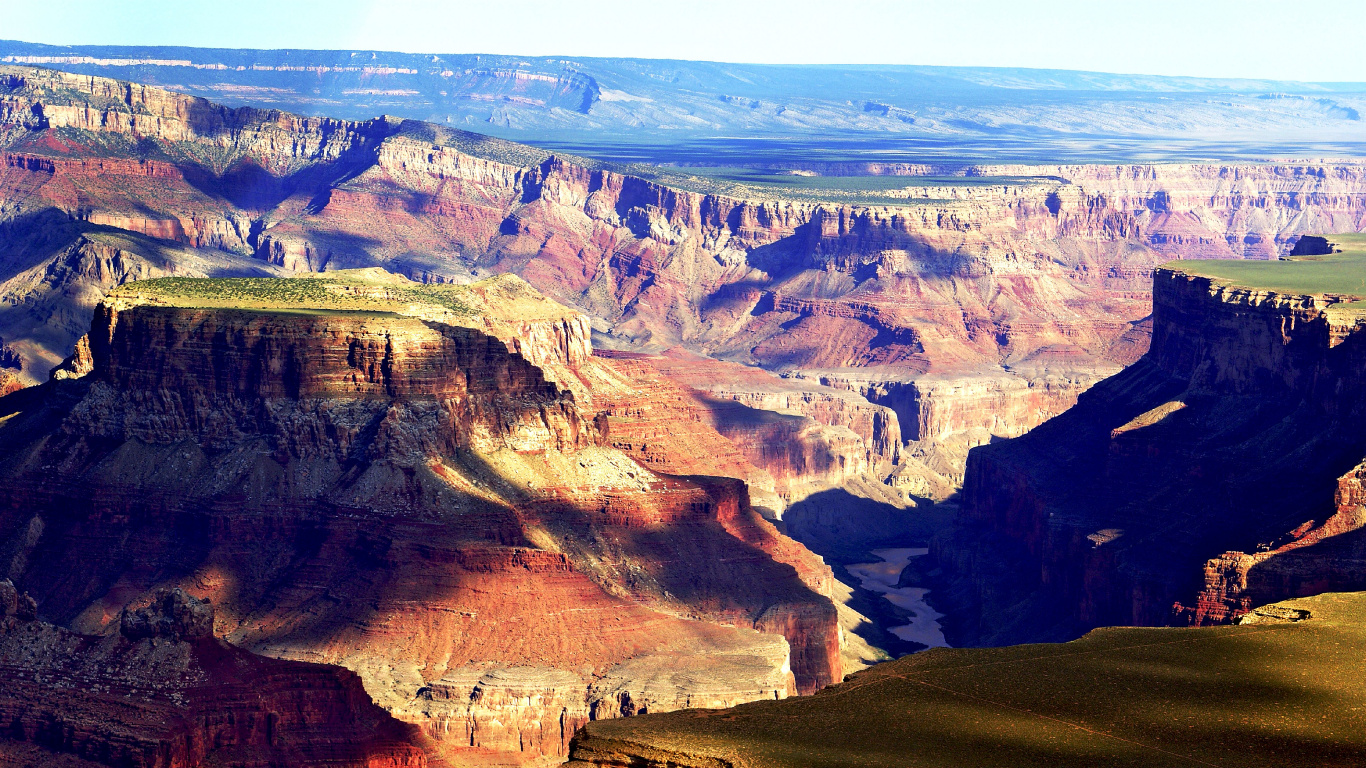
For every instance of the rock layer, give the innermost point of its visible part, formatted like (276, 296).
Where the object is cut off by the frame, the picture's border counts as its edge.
(163, 693)
(973, 311)
(407, 494)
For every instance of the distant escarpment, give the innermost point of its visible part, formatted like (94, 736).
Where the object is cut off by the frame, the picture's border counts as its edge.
(969, 311)
(417, 483)
(1220, 472)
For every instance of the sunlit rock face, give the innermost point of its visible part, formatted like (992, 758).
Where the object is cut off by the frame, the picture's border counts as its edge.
(1220, 472)
(972, 312)
(431, 500)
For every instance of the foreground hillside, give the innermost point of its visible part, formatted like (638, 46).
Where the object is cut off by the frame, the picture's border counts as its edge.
(1284, 691)
(965, 311)
(438, 487)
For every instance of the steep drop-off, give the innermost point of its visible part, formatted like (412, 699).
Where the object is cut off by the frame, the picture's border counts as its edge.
(414, 482)
(971, 311)
(1220, 472)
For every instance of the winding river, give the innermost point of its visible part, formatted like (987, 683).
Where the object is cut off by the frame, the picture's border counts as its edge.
(881, 577)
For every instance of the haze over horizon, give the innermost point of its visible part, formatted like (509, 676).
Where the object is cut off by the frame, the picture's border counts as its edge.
(1212, 39)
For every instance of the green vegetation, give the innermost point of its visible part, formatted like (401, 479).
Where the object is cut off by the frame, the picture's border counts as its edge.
(363, 290)
(1267, 694)
(1342, 273)
(768, 184)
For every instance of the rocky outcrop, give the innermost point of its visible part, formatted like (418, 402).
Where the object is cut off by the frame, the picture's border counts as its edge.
(163, 693)
(383, 489)
(1217, 473)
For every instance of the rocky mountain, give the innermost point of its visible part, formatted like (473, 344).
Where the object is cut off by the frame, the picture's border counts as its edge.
(437, 487)
(968, 312)
(1220, 472)
(699, 111)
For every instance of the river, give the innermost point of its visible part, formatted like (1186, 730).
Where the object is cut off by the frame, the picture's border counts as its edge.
(881, 577)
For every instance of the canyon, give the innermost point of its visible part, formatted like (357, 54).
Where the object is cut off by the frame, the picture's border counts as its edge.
(524, 440)
(969, 312)
(421, 484)
(1214, 485)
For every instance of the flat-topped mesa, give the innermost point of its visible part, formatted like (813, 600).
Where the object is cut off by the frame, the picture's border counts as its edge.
(366, 471)
(1219, 472)
(215, 348)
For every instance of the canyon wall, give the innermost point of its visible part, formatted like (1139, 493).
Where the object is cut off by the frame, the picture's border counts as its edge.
(1219, 472)
(970, 312)
(412, 499)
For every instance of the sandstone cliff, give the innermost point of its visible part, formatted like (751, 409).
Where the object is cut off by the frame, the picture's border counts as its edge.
(416, 483)
(1219, 472)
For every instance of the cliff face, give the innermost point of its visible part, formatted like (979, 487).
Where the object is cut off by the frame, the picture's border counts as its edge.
(971, 311)
(1219, 472)
(407, 494)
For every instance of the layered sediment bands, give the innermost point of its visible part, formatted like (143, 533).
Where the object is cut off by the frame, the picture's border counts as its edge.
(414, 500)
(178, 702)
(1004, 297)
(786, 437)
(1219, 472)
(212, 368)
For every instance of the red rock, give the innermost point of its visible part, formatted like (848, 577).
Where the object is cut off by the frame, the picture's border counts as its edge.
(414, 499)
(184, 700)
(990, 308)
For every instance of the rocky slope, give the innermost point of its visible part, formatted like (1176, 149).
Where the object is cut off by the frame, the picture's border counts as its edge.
(417, 483)
(970, 311)
(1220, 472)
(161, 692)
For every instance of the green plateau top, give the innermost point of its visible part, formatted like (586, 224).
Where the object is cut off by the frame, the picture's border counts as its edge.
(499, 298)
(1341, 273)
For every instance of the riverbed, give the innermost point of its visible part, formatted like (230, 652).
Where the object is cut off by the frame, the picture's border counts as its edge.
(881, 577)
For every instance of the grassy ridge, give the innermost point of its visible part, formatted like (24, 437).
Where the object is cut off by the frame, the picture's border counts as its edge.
(1272, 694)
(1342, 273)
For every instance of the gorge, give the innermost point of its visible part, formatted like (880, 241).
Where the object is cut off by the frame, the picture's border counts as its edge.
(497, 442)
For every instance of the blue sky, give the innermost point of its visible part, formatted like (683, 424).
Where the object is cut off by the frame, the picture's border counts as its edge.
(1293, 40)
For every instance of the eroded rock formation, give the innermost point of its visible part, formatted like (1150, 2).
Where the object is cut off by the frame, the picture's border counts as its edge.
(971, 311)
(163, 693)
(427, 496)
(1220, 472)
